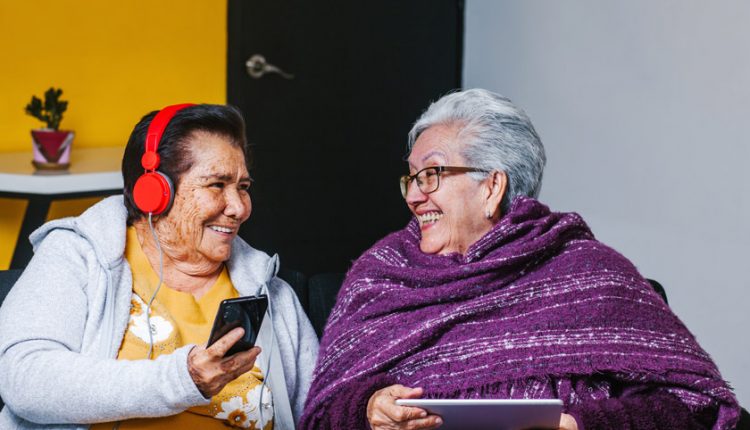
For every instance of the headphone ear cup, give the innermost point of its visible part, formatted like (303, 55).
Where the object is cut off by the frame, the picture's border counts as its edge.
(153, 193)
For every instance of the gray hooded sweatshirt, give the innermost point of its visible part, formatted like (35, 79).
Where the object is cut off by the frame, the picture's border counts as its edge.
(62, 323)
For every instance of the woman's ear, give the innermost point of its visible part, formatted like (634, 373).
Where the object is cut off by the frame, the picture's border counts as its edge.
(497, 186)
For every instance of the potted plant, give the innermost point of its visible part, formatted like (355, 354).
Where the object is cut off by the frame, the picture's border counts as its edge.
(51, 145)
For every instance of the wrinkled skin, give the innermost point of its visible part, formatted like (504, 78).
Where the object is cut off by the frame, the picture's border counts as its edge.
(213, 194)
(384, 414)
(211, 371)
(461, 202)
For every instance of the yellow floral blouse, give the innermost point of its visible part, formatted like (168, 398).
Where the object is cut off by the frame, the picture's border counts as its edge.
(178, 319)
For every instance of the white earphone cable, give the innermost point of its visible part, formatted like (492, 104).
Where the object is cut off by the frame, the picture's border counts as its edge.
(151, 300)
(153, 296)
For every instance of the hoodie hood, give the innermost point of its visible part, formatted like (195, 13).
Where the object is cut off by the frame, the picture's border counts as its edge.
(103, 225)
(256, 266)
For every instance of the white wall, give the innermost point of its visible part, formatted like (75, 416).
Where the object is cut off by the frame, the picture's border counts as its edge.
(644, 110)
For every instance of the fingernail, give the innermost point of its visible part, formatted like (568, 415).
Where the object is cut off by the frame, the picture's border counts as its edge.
(439, 421)
(422, 414)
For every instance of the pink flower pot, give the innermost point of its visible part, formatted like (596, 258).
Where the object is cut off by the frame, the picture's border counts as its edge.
(52, 149)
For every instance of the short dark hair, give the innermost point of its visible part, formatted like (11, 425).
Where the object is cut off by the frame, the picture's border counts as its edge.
(174, 148)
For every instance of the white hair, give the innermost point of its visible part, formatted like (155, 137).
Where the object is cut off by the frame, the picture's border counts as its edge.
(495, 135)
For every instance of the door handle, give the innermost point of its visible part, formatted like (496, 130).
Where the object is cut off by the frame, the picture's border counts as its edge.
(257, 66)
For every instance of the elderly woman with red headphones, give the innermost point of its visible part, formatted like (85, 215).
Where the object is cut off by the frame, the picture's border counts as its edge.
(108, 323)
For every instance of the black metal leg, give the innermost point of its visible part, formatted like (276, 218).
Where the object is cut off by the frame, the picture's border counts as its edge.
(36, 214)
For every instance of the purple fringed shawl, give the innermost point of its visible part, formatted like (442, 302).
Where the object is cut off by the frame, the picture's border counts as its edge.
(536, 297)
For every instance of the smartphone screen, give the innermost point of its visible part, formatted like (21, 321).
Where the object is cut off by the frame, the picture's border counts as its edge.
(245, 312)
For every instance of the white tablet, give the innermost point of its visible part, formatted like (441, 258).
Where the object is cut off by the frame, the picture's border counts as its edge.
(492, 414)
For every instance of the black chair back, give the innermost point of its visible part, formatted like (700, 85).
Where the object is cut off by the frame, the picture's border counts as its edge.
(316, 294)
(298, 281)
(324, 288)
(7, 279)
(659, 289)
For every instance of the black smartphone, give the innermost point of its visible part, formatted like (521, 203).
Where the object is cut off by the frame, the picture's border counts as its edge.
(245, 312)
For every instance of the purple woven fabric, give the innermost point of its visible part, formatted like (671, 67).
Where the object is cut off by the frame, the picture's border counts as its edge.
(537, 300)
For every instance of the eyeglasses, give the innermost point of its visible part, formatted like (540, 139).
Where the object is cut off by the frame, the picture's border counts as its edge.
(428, 179)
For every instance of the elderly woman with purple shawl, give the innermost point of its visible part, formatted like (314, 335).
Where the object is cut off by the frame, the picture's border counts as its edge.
(486, 293)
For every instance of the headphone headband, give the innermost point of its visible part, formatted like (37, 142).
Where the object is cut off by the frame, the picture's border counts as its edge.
(150, 159)
(153, 192)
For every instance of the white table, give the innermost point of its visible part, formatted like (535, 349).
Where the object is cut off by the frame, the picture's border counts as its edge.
(92, 172)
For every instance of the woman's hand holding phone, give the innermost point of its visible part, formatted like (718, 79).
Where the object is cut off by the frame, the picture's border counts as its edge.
(211, 371)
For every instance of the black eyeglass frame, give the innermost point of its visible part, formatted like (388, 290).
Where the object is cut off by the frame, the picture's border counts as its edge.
(405, 180)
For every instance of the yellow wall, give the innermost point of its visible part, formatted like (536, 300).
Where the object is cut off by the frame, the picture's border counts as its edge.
(115, 62)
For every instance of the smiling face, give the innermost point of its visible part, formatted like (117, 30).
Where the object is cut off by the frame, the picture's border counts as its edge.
(211, 202)
(453, 217)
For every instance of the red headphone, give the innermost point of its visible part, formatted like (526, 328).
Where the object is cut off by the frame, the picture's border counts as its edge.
(154, 192)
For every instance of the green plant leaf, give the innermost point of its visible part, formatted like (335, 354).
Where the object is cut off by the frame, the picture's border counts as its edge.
(52, 110)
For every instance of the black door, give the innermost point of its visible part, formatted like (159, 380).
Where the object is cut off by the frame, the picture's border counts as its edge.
(329, 144)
